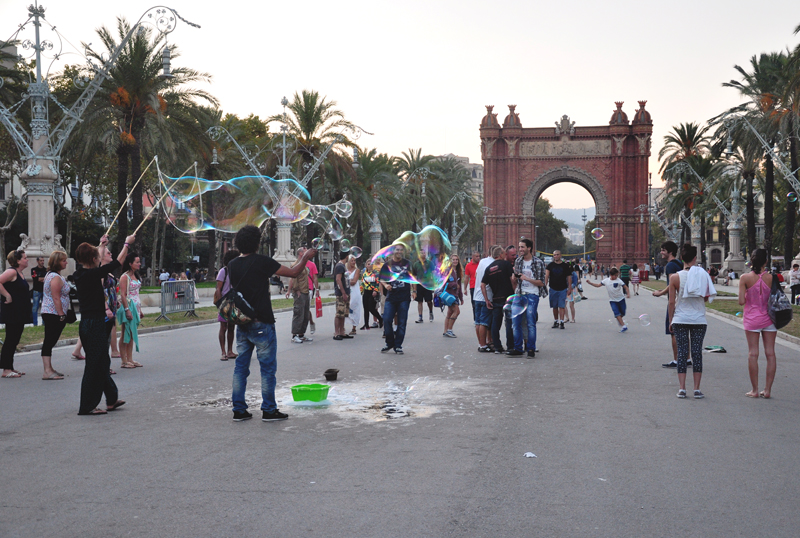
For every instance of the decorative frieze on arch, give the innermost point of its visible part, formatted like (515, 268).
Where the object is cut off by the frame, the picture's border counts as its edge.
(558, 175)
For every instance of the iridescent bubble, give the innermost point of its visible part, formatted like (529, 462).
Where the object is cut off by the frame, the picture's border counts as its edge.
(344, 245)
(356, 252)
(577, 297)
(317, 243)
(344, 208)
(792, 197)
(427, 254)
(334, 230)
(644, 319)
(738, 314)
(516, 305)
(597, 233)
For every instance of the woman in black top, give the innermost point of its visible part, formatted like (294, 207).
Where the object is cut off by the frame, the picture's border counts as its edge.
(15, 311)
(92, 300)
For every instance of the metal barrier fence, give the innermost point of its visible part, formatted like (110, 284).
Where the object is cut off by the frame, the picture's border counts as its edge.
(177, 296)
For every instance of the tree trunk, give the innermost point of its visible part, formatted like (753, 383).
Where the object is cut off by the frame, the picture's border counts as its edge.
(703, 240)
(122, 192)
(750, 213)
(791, 209)
(769, 202)
(138, 191)
(211, 235)
(154, 251)
(163, 239)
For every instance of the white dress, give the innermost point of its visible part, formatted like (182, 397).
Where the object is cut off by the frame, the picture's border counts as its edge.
(355, 301)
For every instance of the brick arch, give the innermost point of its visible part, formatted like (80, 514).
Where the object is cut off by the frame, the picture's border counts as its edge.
(565, 174)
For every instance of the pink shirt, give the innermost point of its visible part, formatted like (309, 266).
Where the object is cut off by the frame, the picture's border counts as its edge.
(756, 311)
(312, 272)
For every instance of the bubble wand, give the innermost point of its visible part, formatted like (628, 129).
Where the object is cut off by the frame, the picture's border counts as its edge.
(158, 202)
(125, 203)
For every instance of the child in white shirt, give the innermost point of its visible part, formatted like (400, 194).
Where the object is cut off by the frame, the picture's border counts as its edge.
(617, 290)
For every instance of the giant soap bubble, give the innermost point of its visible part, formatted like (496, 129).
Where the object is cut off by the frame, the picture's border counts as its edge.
(429, 254)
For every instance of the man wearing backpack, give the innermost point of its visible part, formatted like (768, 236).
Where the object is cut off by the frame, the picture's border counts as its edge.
(249, 275)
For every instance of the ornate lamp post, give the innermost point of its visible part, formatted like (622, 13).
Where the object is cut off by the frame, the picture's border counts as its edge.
(584, 217)
(41, 148)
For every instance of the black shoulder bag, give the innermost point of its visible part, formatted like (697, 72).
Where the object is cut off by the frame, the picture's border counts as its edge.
(233, 307)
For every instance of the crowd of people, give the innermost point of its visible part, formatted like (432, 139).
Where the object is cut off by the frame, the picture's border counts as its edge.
(504, 287)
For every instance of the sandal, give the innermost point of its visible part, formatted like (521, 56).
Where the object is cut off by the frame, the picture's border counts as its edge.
(11, 375)
(111, 372)
(224, 357)
(97, 412)
(117, 356)
(127, 365)
(137, 364)
(52, 377)
(78, 357)
(117, 404)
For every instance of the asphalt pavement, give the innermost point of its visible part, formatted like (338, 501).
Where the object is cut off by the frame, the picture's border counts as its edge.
(430, 443)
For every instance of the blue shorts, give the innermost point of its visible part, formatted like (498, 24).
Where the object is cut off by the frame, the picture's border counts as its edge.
(618, 307)
(558, 299)
(483, 315)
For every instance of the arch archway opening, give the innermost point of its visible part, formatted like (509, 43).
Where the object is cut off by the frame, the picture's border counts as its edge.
(564, 214)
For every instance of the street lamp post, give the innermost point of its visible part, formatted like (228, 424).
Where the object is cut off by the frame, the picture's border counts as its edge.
(584, 235)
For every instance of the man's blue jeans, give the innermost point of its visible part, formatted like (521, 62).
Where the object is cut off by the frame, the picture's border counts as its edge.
(37, 302)
(530, 317)
(394, 337)
(261, 337)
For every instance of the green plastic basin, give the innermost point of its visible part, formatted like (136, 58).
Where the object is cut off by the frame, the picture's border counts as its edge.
(315, 392)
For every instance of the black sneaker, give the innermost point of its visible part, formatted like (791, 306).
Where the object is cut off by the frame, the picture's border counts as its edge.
(386, 349)
(514, 352)
(431, 317)
(561, 325)
(555, 325)
(398, 350)
(273, 416)
(672, 364)
(499, 351)
(484, 349)
(531, 354)
(239, 416)
(419, 320)
(689, 362)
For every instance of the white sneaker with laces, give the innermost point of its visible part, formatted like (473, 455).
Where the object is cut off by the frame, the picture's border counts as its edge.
(297, 340)
(307, 339)
(623, 329)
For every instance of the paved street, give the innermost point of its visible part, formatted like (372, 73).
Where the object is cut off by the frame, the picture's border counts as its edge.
(431, 443)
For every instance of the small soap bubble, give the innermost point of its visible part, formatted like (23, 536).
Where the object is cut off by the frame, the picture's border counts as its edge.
(344, 245)
(738, 314)
(356, 252)
(597, 233)
(317, 243)
(792, 197)
(644, 319)
(516, 305)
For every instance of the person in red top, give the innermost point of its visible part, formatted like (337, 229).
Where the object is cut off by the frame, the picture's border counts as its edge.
(469, 271)
(313, 285)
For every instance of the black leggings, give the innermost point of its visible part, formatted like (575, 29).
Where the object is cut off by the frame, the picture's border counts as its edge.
(370, 307)
(96, 377)
(687, 336)
(53, 328)
(13, 336)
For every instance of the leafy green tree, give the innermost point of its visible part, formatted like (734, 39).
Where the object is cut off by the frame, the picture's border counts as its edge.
(550, 230)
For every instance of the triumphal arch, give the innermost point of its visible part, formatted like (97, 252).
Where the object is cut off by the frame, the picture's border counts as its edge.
(610, 161)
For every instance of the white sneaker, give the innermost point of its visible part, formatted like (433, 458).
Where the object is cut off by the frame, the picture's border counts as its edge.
(623, 329)
(307, 339)
(297, 340)
(313, 327)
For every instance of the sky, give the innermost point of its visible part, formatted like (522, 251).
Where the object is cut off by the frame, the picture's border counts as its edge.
(418, 74)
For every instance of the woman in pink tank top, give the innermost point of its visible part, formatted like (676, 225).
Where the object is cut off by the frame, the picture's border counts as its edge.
(754, 290)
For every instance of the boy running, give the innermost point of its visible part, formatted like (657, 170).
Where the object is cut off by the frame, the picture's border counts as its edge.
(617, 290)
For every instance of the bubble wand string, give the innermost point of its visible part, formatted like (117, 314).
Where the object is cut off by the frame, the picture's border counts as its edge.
(155, 207)
(125, 203)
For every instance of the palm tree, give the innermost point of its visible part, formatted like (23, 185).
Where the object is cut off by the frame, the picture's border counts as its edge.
(137, 109)
(685, 140)
(414, 168)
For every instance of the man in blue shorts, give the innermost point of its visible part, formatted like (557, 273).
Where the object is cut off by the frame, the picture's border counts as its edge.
(558, 277)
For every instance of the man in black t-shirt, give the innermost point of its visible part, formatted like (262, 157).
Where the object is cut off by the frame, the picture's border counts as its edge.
(499, 276)
(249, 276)
(395, 279)
(37, 276)
(558, 276)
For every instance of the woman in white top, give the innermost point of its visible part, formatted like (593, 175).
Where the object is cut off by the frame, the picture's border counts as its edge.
(687, 321)
(353, 275)
(54, 310)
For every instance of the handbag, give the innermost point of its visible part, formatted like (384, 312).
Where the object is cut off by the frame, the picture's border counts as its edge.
(780, 309)
(233, 307)
(71, 317)
(318, 305)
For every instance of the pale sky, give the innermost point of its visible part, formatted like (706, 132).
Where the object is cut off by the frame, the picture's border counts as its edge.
(418, 73)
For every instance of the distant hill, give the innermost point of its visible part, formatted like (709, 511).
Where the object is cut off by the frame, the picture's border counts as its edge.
(573, 215)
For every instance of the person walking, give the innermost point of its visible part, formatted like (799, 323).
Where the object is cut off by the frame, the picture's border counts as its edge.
(354, 276)
(453, 287)
(38, 275)
(420, 293)
(55, 304)
(129, 313)
(97, 379)
(341, 289)
(469, 280)
(313, 286)
(635, 279)
(499, 277)
(754, 291)
(689, 290)
(250, 274)
(669, 251)
(530, 272)
(15, 310)
(226, 331)
(370, 291)
(395, 276)
(298, 287)
(625, 273)
(558, 278)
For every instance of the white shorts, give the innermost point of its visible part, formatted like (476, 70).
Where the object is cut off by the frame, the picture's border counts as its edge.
(769, 329)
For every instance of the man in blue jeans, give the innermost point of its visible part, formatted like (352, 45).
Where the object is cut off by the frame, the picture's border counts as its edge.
(531, 274)
(37, 276)
(396, 278)
(249, 275)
